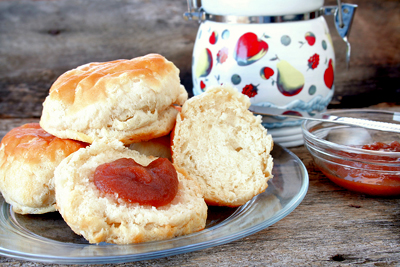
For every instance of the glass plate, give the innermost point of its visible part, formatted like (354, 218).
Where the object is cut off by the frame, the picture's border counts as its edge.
(47, 238)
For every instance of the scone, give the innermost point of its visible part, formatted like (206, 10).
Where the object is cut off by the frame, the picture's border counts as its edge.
(158, 147)
(127, 100)
(102, 214)
(223, 146)
(28, 158)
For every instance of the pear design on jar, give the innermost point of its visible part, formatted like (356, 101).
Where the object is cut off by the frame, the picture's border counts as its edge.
(290, 81)
(204, 64)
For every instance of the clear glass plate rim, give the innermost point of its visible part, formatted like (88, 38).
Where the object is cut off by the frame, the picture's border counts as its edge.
(289, 207)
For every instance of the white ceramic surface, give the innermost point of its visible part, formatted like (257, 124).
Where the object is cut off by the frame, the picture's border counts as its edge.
(289, 136)
(260, 7)
(288, 65)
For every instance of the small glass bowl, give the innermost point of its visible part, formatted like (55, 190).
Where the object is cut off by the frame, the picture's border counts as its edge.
(340, 152)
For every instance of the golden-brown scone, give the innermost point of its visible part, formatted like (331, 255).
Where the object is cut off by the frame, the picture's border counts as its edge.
(28, 158)
(218, 141)
(104, 218)
(158, 147)
(128, 100)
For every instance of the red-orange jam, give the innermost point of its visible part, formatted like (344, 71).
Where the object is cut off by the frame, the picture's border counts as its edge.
(155, 184)
(377, 178)
(391, 147)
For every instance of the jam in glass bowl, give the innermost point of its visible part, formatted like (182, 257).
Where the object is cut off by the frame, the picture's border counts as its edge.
(358, 159)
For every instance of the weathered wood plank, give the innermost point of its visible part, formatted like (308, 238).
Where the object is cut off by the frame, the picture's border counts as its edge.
(331, 227)
(374, 73)
(39, 40)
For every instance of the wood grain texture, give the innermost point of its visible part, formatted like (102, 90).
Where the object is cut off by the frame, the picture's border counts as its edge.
(39, 40)
(331, 227)
(374, 74)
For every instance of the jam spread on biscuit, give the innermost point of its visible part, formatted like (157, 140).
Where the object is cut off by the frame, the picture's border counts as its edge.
(155, 184)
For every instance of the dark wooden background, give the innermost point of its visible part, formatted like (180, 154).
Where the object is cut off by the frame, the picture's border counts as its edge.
(39, 40)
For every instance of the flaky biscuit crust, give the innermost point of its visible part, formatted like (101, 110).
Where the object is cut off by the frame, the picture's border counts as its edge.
(128, 100)
(101, 218)
(28, 158)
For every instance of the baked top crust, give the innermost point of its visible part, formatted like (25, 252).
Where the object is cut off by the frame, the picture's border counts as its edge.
(104, 218)
(28, 158)
(121, 99)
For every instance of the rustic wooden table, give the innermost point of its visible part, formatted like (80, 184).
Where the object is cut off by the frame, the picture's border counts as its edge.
(331, 226)
(39, 40)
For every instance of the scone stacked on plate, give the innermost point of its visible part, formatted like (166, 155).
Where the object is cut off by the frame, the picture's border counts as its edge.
(28, 158)
(104, 215)
(112, 105)
(127, 100)
(122, 182)
(221, 144)
(96, 111)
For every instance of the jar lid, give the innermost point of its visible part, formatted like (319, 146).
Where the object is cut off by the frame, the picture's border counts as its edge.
(260, 7)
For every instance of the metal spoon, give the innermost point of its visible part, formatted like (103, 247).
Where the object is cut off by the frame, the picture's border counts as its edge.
(369, 124)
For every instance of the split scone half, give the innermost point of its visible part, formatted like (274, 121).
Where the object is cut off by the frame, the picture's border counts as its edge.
(127, 100)
(107, 216)
(221, 144)
(28, 158)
